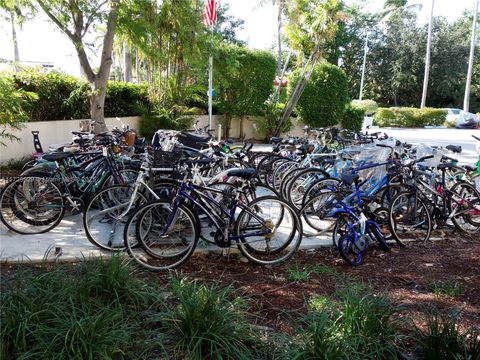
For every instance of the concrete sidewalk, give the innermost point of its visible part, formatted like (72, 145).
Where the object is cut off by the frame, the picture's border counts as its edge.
(68, 242)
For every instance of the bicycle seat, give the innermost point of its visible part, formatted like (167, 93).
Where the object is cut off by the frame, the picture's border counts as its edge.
(56, 156)
(349, 179)
(444, 166)
(454, 148)
(243, 173)
(80, 133)
(470, 168)
(276, 140)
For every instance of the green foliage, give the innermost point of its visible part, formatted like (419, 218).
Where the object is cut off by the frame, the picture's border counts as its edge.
(359, 325)
(369, 106)
(14, 106)
(57, 96)
(90, 313)
(353, 118)
(410, 117)
(53, 90)
(206, 323)
(175, 117)
(125, 99)
(442, 340)
(448, 287)
(325, 96)
(298, 274)
(243, 79)
(267, 124)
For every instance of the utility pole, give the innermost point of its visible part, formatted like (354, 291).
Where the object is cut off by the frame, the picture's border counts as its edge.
(427, 58)
(363, 67)
(466, 100)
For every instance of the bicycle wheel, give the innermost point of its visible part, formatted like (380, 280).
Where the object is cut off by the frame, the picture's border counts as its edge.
(31, 205)
(268, 230)
(315, 212)
(166, 235)
(409, 218)
(300, 183)
(317, 186)
(281, 171)
(104, 219)
(465, 202)
(349, 250)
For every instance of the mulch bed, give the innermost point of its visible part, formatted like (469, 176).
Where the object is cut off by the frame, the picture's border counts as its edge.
(405, 275)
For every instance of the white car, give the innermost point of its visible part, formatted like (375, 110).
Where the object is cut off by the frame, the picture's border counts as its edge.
(467, 120)
(452, 114)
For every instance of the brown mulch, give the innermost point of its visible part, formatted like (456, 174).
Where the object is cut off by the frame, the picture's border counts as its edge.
(405, 275)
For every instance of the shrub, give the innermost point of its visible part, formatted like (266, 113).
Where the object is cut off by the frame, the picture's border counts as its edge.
(442, 340)
(410, 117)
(358, 326)
(244, 79)
(325, 96)
(62, 97)
(13, 109)
(206, 323)
(353, 118)
(369, 106)
(93, 313)
(267, 124)
(175, 117)
(125, 99)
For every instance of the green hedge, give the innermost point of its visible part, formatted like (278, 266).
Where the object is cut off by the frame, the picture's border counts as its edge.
(63, 97)
(325, 96)
(353, 117)
(410, 117)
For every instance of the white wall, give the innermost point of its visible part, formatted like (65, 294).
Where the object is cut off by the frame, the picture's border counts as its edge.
(51, 132)
(249, 130)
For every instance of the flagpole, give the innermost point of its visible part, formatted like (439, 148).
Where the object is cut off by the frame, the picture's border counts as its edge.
(210, 78)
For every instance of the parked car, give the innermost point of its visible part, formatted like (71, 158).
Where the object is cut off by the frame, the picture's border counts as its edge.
(467, 120)
(452, 114)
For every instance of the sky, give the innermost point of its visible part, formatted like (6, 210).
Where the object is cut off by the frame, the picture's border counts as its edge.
(40, 41)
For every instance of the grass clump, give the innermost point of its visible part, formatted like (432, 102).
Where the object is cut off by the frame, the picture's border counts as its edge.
(206, 323)
(298, 274)
(441, 338)
(359, 325)
(94, 312)
(448, 287)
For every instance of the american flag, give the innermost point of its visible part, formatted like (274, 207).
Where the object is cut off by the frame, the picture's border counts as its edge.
(210, 14)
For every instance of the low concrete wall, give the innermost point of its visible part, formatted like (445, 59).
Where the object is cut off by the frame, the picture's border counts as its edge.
(249, 130)
(51, 132)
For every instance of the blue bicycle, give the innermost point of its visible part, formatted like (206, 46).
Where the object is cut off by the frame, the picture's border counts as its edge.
(163, 234)
(355, 226)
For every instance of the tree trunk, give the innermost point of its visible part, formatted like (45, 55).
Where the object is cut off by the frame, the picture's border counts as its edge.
(97, 103)
(16, 56)
(127, 63)
(279, 37)
(137, 67)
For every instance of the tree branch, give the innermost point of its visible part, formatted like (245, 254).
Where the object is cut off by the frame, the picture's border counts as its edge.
(106, 59)
(91, 18)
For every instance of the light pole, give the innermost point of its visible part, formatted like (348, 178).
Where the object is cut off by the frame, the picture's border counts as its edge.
(427, 58)
(466, 100)
(362, 81)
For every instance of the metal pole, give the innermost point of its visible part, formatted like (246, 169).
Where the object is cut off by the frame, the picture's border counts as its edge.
(466, 100)
(210, 80)
(363, 68)
(427, 59)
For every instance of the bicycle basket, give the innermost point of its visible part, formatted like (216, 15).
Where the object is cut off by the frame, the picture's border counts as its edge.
(166, 160)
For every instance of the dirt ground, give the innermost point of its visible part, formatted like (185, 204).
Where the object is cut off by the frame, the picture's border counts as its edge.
(445, 274)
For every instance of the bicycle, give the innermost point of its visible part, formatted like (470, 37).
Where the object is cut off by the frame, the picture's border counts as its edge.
(163, 234)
